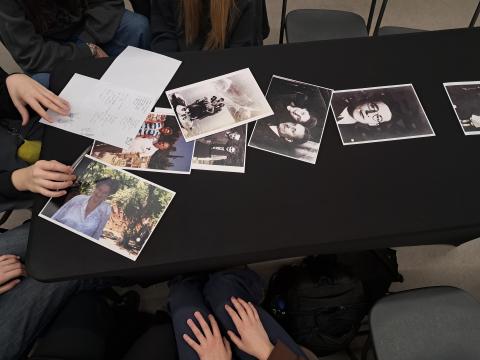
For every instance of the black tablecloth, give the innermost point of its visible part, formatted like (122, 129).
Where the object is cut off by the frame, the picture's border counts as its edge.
(409, 192)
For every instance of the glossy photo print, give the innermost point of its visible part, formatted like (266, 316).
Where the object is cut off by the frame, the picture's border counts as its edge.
(218, 104)
(110, 207)
(295, 129)
(465, 99)
(377, 114)
(159, 146)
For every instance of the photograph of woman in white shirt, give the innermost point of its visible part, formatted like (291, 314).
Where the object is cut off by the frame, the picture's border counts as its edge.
(89, 214)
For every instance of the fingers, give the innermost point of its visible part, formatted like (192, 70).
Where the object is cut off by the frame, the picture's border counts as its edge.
(47, 103)
(50, 194)
(247, 308)
(192, 343)
(214, 326)
(234, 316)
(241, 311)
(54, 185)
(54, 165)
(8, 257)
(34, 104)
(203, 324)
(227, 346)
(12, 268)
(254, 310)
(58, 101)
(9, 286)
(196, 331)
(235, 339)
(22, 109)
(57, 176)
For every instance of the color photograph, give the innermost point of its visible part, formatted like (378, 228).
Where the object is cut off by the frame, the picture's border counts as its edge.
(377, 114)
(224, 151)
(159, 146)
(109, 206)
(295, 129)
(465, 99)
(218, 104)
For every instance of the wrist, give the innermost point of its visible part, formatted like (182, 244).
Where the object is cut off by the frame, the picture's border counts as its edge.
(265, 352)
(19, 179)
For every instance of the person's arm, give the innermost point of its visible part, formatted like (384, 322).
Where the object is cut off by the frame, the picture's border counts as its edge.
(245, 27)
(102, 19)
(30, 50)
(163, 24)
(7, 109)
(282, 352)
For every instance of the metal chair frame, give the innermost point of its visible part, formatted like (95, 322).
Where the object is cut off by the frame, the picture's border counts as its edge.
(284, 14)
(384, 6)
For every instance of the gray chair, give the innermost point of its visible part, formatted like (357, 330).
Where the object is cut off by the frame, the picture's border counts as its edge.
(7, 207)
(393, 30)
(438, 323)
(319, 24)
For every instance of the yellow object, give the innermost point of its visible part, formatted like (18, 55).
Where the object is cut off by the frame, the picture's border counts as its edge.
(29, 151)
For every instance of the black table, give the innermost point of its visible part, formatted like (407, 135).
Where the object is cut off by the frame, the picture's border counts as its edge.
(410, 192)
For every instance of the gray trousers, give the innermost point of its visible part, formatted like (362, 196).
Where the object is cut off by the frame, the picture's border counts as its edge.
(31, 305)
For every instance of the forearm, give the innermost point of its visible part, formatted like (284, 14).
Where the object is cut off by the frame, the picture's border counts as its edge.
(164, 24)
(282, 352)
(7, 185)
(7, 109)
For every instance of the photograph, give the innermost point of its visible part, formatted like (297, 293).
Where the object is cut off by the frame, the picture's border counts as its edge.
(377, 114)
(110, 207)
(465, 99)
(158, 146)
(295, 129)
(218, 104)
(223, 151)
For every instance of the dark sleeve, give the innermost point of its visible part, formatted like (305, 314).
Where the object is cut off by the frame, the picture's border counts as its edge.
(102, 19)
(163, 24)
(246, 26)
(7, 109)
(7, 190)
(30, 50)
(282, 352)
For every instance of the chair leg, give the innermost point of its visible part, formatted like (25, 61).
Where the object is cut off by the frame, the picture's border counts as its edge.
(282, 21)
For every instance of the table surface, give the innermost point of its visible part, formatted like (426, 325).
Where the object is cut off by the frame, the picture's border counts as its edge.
(398, 193)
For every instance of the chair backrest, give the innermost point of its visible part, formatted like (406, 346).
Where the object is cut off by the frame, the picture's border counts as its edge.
(384, 6)
(284, 14)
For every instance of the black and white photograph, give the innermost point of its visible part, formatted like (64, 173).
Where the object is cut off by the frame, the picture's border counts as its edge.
(159, 146)
(377, 114)
(218, 104)
(110, 207)
(295, 129)
(223, 151)
(465, 99)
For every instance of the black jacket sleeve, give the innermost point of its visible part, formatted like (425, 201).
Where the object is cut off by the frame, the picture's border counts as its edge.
(247, 24)
(102, 19)
(164, 24)
(30, 50)
(7, 109)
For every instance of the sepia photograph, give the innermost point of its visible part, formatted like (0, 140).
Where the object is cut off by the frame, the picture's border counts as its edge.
(159, 146)
(218, 104)
(295, 129)
(109, 206)
(377, 114)
(465, 99)
(223, 151)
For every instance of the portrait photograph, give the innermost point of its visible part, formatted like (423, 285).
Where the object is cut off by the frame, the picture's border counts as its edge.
(465, 99)
(223, 151)
(296, 127)
(158, 146)
(377, 114)
(218, 104)
(110, 207)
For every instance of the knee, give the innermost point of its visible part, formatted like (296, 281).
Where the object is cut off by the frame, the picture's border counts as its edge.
(137, 24)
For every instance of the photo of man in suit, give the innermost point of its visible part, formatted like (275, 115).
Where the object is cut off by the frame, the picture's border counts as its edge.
(465, 98)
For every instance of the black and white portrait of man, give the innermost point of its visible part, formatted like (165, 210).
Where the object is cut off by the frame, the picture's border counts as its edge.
(465, 99)
(380, 114)
(296, 127)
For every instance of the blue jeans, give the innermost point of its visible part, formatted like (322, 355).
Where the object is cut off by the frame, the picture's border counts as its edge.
(31, 305)
(134, 30)
(209, 296)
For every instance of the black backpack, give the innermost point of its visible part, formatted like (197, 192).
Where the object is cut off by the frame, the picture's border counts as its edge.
(321, 301)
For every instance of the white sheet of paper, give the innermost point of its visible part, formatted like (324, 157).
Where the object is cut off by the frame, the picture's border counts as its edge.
(142, 70)
(103, 111)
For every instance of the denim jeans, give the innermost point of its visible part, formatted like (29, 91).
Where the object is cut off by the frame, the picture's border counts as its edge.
(31, 305)
(209, 296)
(134, 30)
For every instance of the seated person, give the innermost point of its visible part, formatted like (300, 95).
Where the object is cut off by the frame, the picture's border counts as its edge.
(41, 33)
(185, 25)
(219, 317)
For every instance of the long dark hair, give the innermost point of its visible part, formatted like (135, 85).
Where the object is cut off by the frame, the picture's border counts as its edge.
(42, 12)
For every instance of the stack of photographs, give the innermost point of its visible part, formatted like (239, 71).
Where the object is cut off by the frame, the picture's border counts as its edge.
(376, 114)
(223, 151)
(110, 207)
(296, 128)
(158, 146)
(219, 104)
(465, 99)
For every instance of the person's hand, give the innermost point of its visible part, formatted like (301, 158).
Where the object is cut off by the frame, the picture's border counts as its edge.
(25, 91)
(252, 337)
(210, 344)
(48, 178)
(100, 53)
(10, 270)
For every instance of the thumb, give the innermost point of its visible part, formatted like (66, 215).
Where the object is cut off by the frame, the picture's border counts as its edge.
(23, 112)
(235, 339)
